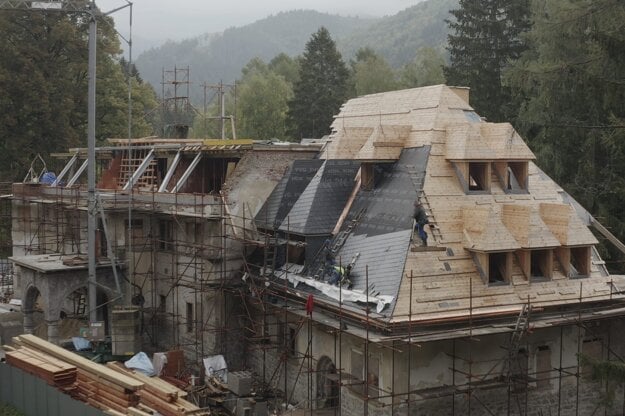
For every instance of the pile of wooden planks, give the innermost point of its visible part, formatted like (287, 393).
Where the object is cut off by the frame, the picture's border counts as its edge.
(55, 372)
(112, 388)
(159, 395)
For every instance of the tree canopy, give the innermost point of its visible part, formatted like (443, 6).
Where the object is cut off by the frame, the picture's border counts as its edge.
(320, 89)
(486, 36)
(570, 83)
(43, 87)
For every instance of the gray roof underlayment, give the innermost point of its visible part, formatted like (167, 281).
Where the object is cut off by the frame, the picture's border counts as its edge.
(319, 207)
(287, 192)
(382, 235)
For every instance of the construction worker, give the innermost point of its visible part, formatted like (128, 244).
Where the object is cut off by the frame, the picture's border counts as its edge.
(421, 219)
(345, 281)
(338, 272)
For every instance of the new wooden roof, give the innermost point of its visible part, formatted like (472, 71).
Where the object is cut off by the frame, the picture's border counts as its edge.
(438, 285)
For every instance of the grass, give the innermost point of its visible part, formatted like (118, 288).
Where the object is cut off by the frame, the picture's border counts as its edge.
(6, 410)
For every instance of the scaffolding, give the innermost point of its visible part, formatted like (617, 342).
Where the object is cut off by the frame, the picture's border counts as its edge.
(201, 279)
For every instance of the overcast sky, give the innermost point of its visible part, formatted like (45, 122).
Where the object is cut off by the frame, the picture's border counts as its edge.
(159, 20)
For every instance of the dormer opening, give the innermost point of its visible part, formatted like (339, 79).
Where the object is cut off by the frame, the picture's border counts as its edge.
(580, 262)
(499, 268)
(479, 176)
(367, 176)
(541, 264)
(517, 176)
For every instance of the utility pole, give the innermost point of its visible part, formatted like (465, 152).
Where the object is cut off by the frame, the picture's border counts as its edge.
(220, 91)
(90, 9)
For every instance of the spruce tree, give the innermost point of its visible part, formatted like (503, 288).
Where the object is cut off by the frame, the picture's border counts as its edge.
(571, 80)
(321, 88)
(485, 37)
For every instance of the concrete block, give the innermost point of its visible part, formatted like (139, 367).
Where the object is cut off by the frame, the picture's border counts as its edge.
(240, 383)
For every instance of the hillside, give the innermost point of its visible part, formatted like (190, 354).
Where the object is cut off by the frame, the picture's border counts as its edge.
(212, 58)
(215, 57)
(398, 37)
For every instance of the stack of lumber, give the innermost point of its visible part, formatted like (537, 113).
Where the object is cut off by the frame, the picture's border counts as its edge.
(112, 388)
(55, 372)
(157, 395)
(94, 384)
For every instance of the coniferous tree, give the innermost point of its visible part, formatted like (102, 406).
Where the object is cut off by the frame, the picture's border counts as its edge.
(321, 88)
(571, 81)
(486, 36)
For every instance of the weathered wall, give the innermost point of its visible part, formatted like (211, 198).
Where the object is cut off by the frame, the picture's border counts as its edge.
(429, 368)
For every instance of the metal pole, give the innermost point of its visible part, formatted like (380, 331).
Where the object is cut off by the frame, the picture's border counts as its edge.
(91, 202)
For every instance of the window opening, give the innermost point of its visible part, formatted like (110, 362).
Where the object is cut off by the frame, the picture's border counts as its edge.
(478, 177)
(189, 317)
(166, 234)
(580, 261)
(498, 268)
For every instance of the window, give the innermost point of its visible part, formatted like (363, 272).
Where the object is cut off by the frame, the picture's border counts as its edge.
(292, 347)
(166, 235)
(591, 348)
(541, 264)
(499, 268)
(543, 366)
(373, 376)
(162, 306)
(479, 176)
(357, 365)
(367, 180)
(580, 262)
(135, 229)
(517, 176)
(190, 317)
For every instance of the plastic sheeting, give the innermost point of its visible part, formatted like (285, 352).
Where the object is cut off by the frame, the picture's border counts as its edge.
(81, 344)
(141, 362)
(216, 366)
(335, 292)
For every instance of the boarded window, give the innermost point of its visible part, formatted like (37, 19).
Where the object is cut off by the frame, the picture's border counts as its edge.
(591, 348)
(373, 376)
(357, 365)
(543, 366)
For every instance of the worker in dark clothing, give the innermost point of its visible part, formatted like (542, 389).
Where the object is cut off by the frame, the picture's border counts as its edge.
(345, 280)
(337, 275)
(421, 219)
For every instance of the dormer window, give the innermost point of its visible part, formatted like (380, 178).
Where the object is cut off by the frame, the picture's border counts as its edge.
(479, 176)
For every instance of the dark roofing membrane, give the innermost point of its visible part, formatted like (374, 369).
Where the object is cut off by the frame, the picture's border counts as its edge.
(319, 207)
(382, 235)
(287, 192)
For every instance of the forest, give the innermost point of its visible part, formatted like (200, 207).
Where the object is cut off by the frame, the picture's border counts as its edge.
(553, 68)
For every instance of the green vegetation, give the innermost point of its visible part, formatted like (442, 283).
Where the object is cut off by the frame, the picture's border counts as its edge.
(486, 36)
(43, 88)
(571, 89)
(321, 88)
(6, 410)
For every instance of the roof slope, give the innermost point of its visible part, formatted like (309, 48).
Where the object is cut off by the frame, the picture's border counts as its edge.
(319, 206)
(287, 192)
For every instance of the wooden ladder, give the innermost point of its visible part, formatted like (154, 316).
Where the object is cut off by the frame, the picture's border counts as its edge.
(434, 228)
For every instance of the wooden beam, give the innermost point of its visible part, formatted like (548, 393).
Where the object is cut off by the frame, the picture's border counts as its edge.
(83, 363)
(607, 234)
